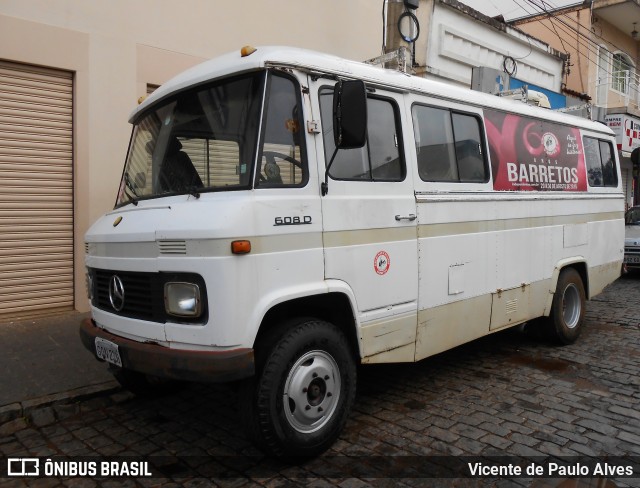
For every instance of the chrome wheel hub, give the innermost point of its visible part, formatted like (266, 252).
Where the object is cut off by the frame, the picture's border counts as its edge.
(311, 391)
(571, 306)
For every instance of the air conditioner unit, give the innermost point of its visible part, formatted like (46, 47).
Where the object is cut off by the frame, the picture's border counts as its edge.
(538, 98)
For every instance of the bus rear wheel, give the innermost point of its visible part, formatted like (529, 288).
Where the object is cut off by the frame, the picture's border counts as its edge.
(567, 310)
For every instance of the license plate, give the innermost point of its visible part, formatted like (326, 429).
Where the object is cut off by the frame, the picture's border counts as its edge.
(108, 351)
(632, 259)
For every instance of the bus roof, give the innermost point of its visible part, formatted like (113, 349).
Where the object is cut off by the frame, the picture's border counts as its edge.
(325, 64)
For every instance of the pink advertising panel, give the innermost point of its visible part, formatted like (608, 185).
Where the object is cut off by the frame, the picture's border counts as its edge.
(534, 155)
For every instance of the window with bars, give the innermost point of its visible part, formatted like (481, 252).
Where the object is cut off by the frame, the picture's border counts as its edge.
(621, 73)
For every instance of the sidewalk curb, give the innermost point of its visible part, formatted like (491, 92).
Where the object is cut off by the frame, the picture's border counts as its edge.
(47, 409)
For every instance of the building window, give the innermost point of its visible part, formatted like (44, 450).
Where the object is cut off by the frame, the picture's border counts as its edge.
(621, 73)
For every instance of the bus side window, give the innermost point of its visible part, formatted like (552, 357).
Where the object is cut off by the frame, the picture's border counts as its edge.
(283, 158)
(381, 157)
(448, 145)
(601, 166)
(609, 173)
(466, 130)
(383, 141)
(436, 152)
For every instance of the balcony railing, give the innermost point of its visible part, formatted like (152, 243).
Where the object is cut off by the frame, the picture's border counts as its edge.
(624, 83)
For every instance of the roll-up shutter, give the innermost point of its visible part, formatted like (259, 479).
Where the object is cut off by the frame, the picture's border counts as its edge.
(36, 190)
(625, 183)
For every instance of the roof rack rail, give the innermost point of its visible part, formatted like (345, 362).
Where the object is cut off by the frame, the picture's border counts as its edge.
(400, 56)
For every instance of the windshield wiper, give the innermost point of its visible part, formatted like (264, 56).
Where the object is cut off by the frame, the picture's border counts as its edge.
(132, 198)
(130, 190)
(192, 190)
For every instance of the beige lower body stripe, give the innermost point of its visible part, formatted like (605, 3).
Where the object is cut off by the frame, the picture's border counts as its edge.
(313, 240)
(207, 247)
(368, 236)
(474, 227)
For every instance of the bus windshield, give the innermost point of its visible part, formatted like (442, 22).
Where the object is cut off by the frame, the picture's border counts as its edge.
(202, 139)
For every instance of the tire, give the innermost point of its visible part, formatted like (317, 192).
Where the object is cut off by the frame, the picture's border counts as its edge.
(300, 399)
(567, 310)
(144, 385)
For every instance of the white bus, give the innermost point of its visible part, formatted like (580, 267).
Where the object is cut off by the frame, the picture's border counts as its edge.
(285, 216)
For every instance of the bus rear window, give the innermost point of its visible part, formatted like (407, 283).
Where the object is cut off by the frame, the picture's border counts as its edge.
(601, 163)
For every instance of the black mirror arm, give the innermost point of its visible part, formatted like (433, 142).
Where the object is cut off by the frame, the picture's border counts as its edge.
(324, 188)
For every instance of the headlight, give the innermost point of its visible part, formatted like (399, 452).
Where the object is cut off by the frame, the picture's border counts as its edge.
(182, 299)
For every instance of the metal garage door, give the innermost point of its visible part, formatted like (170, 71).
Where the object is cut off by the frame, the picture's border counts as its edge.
(625, 183)
(36, 190)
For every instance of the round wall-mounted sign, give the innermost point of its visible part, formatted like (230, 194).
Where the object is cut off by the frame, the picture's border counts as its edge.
(510, 66)
(408, 26)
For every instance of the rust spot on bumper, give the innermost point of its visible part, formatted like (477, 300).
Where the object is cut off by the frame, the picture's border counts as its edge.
(200, 366)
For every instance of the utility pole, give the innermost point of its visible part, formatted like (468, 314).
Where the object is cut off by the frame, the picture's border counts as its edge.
(393, 40)
(401, 30)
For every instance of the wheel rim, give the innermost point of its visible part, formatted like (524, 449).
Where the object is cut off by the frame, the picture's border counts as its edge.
(571, 306)
(311, 391)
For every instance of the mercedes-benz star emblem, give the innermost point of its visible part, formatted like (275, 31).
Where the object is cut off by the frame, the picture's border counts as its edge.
(116, 293)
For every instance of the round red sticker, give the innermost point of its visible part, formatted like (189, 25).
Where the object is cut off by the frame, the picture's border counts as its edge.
(381, 263)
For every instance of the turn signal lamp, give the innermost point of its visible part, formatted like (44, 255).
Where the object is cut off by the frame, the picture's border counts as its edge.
(241, 247)
(247, 51)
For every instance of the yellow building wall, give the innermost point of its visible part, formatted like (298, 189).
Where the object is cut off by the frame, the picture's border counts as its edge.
(560, 33)
(116, 47)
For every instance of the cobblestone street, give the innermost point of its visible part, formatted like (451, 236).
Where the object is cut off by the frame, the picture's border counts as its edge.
(508, 394)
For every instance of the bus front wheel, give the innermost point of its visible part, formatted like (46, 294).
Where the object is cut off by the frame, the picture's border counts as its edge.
(302, 395)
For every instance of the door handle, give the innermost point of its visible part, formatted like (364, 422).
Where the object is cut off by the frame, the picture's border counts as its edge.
(410, 217)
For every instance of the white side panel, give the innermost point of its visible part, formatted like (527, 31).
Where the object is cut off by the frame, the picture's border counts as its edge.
(575, 235)
(507, 248)
(390, 333)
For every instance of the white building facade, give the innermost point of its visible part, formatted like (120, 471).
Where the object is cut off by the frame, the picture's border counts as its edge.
(455, 38)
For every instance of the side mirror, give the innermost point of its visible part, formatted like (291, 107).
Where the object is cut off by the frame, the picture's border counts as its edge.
(349, 120)
(350, 114)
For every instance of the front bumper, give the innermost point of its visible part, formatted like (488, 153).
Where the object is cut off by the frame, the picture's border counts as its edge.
(153, 359)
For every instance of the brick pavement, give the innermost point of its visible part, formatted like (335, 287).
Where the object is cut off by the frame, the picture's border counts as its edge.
(43, 356)
(46, 371)
(508, 394)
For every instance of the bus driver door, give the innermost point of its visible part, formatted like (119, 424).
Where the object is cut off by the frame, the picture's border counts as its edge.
(369, 223)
